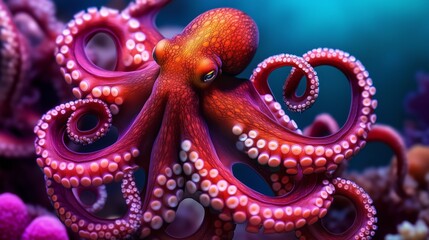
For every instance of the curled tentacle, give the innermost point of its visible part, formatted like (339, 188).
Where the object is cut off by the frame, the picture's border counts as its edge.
(144, 9)
(133, 53)
(231, 46)
(13, 59)
(267, 140)
(293, 102)
(15, 140)
(418, 163)
(362, 227)
(323, 125)
(72, 169)
(187, 225)
(88, 136)
(195, 116)
(42, 11)
(14, 147)
(165, 186)
(27, 32)
(100, 194)
(89, 226)
(38, 27)
(306, 203)
(386, 134)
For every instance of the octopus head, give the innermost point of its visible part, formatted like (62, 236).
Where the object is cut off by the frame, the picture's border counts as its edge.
(220, 41)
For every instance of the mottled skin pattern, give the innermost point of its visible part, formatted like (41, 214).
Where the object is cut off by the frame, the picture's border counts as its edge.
(191, 121)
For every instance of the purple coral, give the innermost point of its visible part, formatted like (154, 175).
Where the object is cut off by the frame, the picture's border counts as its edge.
(45, 227)
(15, 220)
(13, 216)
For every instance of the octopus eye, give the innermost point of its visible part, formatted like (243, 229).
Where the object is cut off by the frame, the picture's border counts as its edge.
(209, 76)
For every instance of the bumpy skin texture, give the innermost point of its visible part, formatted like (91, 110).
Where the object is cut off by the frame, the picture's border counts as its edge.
(191, 121)
(13, 216)
(415, 104)
(28, 71)
(18, 221)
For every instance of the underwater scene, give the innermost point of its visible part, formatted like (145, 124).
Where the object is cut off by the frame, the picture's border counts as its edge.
(222, 119)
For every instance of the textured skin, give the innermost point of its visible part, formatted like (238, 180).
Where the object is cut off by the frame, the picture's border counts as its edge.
(28, 30)
(186, 120)
(16, 221)
(45, 227)
(13, 216)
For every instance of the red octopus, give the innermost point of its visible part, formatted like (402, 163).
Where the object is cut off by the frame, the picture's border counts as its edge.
(183, 117)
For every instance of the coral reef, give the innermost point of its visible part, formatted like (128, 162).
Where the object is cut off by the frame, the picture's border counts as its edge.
(175, 110)
(416, 104)
(18, 221)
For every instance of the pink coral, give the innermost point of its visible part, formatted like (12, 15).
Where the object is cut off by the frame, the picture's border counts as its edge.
(13, 216)
(45, 227)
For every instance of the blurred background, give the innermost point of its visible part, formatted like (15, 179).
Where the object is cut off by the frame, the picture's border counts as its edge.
(391, 40)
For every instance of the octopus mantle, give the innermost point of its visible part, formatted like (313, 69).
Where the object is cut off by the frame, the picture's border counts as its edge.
(185, 119)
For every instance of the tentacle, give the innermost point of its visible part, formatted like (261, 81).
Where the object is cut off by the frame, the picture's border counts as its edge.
(15, 147)
(386, 134)
(89, 136)
(133, 53)
(145, 12)
(239, 111)
(100, 194)
(293, 102)
(323, 125)
(165, 185)
(38, 35)
(280, 115)
(307, 202)
(143, 7)
(13, 59)
(233, 200)
(73, 169)
(89, 226)
(363, 226)
(16, 140)
(418, 162)
(42, 11)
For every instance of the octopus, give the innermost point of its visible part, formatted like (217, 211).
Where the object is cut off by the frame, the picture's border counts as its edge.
(178, 111)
